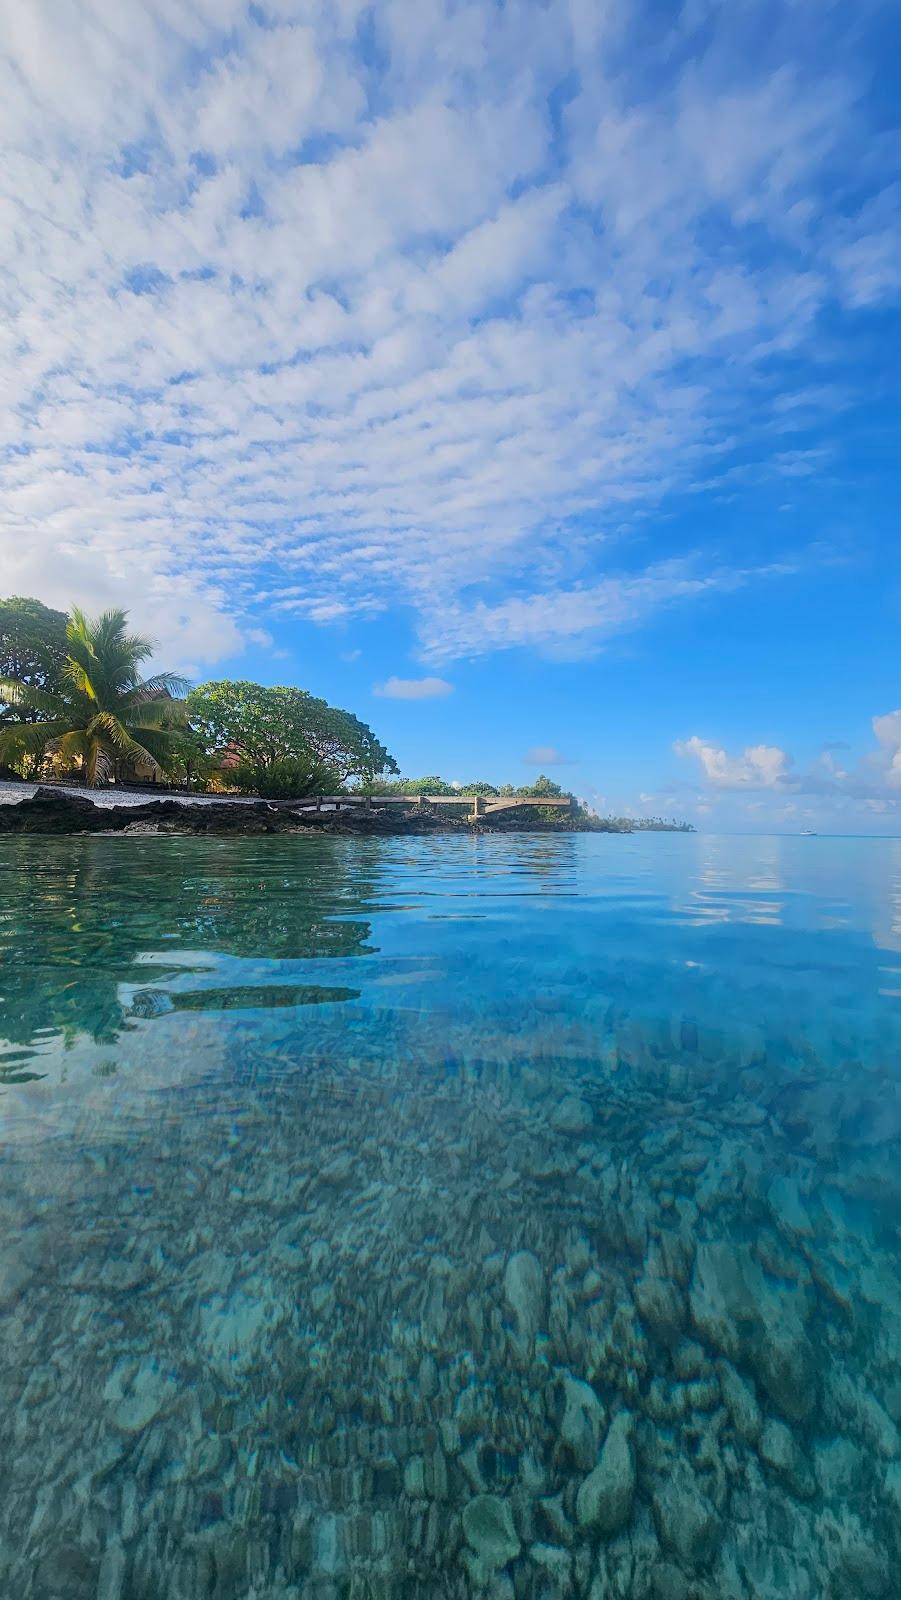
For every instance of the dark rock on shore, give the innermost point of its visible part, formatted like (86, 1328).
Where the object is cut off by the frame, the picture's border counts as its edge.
(51, 811)
(59, 811)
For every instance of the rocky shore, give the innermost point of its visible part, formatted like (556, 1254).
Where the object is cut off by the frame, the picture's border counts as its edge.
(56, 811)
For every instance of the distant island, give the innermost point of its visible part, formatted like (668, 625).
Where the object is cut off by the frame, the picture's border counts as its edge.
(232, 756)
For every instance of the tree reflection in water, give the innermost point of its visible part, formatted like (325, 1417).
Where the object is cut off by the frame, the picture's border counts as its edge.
(80, 918)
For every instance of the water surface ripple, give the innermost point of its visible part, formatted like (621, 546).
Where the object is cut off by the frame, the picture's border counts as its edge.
(510, 1216)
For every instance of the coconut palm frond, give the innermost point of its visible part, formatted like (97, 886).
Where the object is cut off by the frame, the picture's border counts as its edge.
(109, 635)
(160, 747)
(117, 652)
(107, 728)
(167, 716)
(144, 757)
(105, 725)
(25, 697)
(105, 711)
(167, 687)
(79, 672)
(71, 744)
(99, 765)
(28, 738)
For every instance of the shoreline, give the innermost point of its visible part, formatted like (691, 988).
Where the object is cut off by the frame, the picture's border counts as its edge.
(52, 811)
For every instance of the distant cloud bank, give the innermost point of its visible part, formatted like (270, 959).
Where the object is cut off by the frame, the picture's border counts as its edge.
(872, 784)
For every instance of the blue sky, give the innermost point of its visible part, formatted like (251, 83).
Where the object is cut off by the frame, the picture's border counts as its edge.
(522, 376)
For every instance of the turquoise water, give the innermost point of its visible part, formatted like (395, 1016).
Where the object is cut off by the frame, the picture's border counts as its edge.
(507, 1216)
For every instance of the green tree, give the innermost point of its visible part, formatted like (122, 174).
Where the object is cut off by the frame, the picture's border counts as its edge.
(541, 787)
(103, 713)
(187, 762)
(289, 779)
(32, 651)
(261, 727)
(428, 785)
(32, 648)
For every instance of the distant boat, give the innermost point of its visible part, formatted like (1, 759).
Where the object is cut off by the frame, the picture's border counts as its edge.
(808, 833)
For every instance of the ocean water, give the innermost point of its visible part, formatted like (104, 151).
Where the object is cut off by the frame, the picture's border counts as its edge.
(515, 1217)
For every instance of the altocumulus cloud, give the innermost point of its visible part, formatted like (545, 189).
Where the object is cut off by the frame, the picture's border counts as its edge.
(413, 688)
(303, 299)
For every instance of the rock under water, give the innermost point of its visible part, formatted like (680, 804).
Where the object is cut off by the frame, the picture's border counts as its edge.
(320, 1358)
(314, 1302)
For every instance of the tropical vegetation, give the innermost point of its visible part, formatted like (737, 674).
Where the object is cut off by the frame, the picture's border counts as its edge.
(32, 645)
(276, 738)
(74, 705)
(438, 787)
(32, 652)
(91, 707)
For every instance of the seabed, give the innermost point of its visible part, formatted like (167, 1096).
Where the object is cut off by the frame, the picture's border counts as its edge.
(603, 1305)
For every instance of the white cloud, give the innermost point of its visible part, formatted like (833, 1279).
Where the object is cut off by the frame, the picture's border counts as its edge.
(190, 620)
(888, 732)
(760, 766)
(577, 621)
(280, 315)
(546, 755)
(867, 258)
(413, 688)
(826, 790)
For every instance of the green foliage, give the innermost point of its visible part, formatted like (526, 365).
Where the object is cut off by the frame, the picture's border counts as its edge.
(187, 763)
(428, 785)
(32, 652)
(434, 785)
(32, 648)
(101, 713)
(289, 779)
(264, 726)
(542, 786)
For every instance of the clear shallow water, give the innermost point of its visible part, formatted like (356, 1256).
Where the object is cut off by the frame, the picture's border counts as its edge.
(508, 1216)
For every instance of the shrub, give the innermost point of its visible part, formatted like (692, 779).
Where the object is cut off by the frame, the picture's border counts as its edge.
(291, 779)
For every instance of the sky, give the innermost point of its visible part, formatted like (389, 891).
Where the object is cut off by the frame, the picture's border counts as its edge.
(521, 376)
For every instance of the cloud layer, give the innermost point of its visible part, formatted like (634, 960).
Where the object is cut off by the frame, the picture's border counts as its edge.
(315, 308)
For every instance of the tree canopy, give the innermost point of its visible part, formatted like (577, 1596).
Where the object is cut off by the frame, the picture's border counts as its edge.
(543, 786)
(32, 651)
(263, 727)
(102, 712)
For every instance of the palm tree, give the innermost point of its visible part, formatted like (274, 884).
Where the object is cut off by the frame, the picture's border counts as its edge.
(103, 712)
